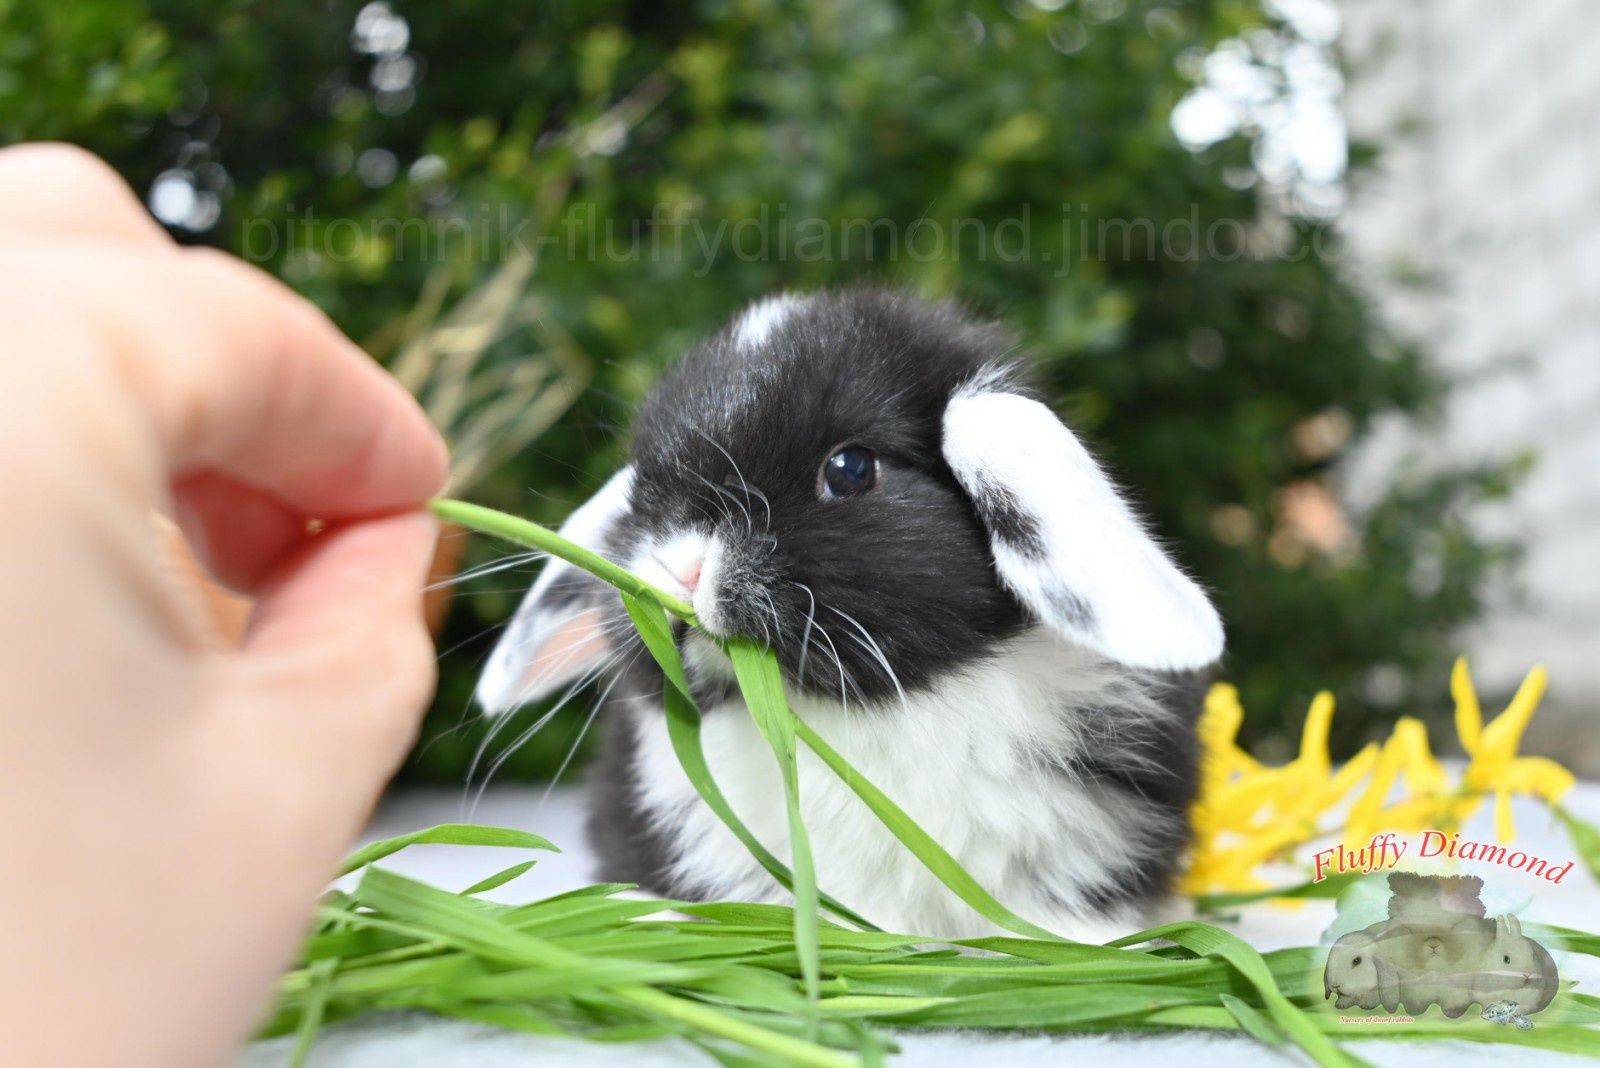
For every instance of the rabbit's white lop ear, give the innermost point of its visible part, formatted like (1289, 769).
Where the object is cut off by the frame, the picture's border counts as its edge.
(557, 633)
(1066, 544)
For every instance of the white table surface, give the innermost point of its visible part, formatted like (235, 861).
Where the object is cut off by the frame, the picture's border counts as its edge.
(404, 1041)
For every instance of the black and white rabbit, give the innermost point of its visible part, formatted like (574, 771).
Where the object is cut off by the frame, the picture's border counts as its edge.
(961, 602)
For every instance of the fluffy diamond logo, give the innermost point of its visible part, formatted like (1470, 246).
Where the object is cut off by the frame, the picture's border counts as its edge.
(1438, 946)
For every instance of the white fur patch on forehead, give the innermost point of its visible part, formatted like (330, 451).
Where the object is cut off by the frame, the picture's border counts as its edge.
(555, 635)
(1066, 544)
(759, 320)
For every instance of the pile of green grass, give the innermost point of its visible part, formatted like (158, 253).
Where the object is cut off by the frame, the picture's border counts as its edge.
(765, 984)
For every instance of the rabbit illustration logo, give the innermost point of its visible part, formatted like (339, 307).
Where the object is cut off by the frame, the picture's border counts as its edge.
(1438, 947)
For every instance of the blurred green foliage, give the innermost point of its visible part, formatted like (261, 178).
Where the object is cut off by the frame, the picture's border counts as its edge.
(366, 156)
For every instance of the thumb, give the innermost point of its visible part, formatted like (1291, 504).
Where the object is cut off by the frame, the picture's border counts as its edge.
(337, 664)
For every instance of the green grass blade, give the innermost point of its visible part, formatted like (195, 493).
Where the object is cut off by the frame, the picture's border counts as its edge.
(446, 834)
(499, 878)
(1254, 1023)
(1565, 938)
(1046, 1009)
(1585, 838)
(529, 984)
(761, 683)
(311, 1012)
(655, 630)
(784, 1049)
(1331, 887)
(533, 536)
(459, 920)
(1206, 940)
(427, 974)
(683, 729)
(933, 856)
(549, 919)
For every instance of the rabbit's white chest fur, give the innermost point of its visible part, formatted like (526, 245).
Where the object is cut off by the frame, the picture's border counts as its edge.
(982, 763)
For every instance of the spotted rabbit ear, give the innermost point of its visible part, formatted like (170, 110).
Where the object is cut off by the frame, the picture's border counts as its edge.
(557, 633)
(1064, 541)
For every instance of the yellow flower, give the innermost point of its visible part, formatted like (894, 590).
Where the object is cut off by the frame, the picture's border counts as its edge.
(1219, 730)
(1495, 766)
(1422, 773)
(1249, 814)
(1405, 756)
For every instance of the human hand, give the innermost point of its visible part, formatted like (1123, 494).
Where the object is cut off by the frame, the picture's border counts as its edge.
(170, 806)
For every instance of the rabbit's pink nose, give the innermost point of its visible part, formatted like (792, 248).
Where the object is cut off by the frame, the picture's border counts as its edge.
(690, 576)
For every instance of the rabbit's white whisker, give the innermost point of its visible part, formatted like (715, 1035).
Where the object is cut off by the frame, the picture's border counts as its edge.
(742, 481)
(805, 638)
(724, 492)
(527, 690)
(508, 564)
(872, 646)
(846, 682)
(599, 703)
(539, 724)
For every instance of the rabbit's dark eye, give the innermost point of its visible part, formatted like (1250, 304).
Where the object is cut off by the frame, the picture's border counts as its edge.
(1507, 958)
(849, 470)
(1357, 960)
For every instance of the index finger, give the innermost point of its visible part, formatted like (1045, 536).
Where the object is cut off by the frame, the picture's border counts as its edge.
(57, 189)
(237, 374)
(240, 375)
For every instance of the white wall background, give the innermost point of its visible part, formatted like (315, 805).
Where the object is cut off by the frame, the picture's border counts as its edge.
(1489, 115)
